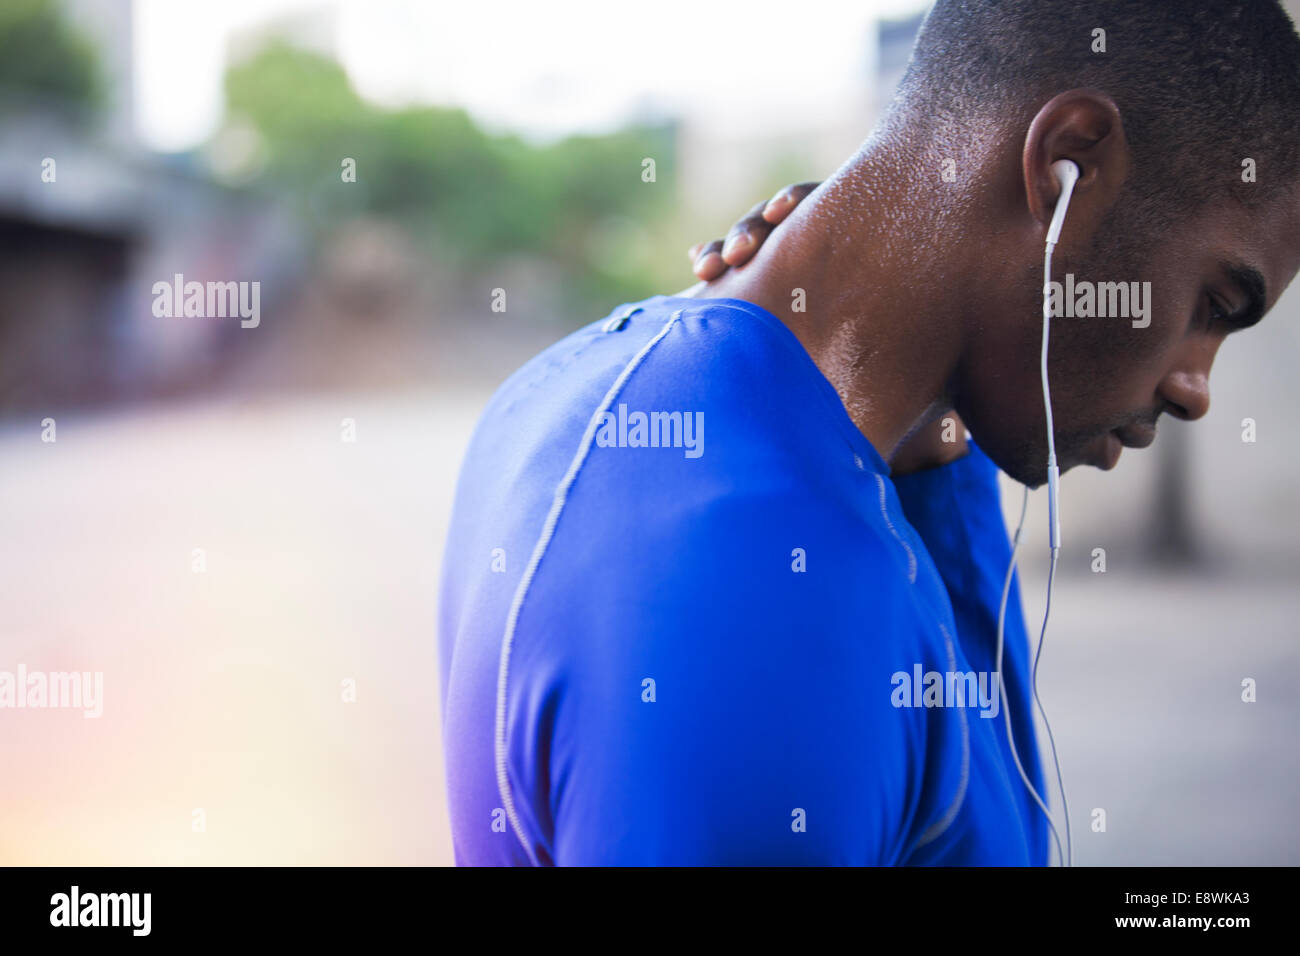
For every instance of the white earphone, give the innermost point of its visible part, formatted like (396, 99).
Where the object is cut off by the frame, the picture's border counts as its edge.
(1067, 174)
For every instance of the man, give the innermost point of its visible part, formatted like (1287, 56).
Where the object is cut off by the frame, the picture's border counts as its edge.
(706, 552)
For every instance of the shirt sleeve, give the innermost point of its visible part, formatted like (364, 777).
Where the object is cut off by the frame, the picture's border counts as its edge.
(736, 708)
(956, 509)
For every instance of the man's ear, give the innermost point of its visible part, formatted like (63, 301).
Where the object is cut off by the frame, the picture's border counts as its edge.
(1084, 126)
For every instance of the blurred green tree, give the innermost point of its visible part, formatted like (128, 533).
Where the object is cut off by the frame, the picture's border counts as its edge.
(470, 196)
(43, 58)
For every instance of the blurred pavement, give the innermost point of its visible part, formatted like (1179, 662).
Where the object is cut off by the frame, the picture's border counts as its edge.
(222, 688)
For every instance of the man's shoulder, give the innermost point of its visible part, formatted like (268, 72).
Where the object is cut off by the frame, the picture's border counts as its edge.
(685, 334)
(771, 552)
(688, 441)
(719, 348)
(685, 432)
(669, 391)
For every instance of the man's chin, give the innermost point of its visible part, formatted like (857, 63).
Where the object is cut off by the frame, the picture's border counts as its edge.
(1065, 464)
(1020, 467)
(1029, 467)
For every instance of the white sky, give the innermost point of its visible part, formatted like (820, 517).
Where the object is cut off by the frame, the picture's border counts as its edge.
(542, 68)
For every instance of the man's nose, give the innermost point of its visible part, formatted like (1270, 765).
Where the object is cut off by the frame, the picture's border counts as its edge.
(1187, 393)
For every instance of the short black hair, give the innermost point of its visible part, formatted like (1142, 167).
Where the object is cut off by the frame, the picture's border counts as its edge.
(1201, 86)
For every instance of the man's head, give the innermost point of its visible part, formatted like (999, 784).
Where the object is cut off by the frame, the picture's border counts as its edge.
(1184, 119)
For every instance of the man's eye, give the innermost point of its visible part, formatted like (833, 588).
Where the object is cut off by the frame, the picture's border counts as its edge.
(1219, 312)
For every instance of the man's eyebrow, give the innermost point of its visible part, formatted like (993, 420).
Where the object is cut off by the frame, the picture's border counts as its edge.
(1251, 283)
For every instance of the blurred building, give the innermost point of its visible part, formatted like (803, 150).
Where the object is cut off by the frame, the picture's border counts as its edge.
(90, 220)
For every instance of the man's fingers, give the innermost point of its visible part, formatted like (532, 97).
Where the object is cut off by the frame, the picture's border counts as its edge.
(779, 206)
(711, 259)
(708, 262)
(745, 237)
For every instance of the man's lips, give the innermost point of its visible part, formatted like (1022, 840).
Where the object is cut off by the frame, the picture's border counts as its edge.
(1136, 436)
(1106, 456)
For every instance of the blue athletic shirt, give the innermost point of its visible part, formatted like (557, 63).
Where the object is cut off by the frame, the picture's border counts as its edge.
(687, 617)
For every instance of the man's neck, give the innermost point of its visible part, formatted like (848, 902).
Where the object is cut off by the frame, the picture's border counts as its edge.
(881, 305)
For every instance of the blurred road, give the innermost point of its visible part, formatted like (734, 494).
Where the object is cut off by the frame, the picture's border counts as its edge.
(1142, 680)
(223, 688)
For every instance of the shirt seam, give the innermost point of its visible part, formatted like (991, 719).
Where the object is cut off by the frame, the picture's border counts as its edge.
(539, 551)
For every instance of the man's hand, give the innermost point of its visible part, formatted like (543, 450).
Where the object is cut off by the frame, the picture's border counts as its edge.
(925, 448)
(929, 447)
(711, 259)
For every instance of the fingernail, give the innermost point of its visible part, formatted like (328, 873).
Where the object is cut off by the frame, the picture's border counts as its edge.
(699, 263)
(780, 199)
(737, 241)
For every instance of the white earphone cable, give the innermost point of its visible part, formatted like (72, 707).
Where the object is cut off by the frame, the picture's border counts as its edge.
(1002, 684)
(1064, 170)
